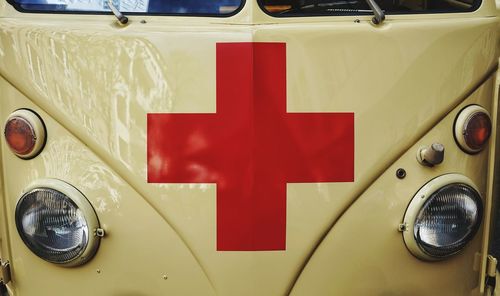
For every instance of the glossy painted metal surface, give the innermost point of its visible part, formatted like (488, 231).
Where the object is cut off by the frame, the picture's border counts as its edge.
(95, 83)
(374, 218)
(139, 248)
(251, 148)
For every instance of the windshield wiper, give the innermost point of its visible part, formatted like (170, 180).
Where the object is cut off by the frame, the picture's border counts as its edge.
(379, 15)
(338, 6)
(121, 18)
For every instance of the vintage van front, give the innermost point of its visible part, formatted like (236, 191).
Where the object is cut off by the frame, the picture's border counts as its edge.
(247, 147)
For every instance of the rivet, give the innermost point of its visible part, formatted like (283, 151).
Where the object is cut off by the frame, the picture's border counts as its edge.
(165, 277)
(98, 271)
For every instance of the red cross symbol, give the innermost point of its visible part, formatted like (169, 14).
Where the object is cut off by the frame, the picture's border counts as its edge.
(251, 147)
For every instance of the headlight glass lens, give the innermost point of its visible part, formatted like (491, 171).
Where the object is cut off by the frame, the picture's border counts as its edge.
(448, 220)
(52, 225)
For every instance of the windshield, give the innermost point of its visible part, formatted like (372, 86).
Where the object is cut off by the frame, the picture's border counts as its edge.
(339, 7)
(175, 7)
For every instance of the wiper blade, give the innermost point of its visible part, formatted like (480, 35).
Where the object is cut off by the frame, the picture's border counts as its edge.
(379, 15)
(349, 10)
(338, 6)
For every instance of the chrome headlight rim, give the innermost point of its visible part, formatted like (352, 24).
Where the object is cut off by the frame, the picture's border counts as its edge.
(81, 202)
(417, 204)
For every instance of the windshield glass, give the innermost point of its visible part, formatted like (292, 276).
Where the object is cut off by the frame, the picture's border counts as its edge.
(342, 7)
(174, 7)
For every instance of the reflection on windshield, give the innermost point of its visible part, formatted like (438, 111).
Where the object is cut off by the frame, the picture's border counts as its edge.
(335, 7)
(215, 7)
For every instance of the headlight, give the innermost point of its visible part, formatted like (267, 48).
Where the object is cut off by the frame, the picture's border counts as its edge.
(442, 217)
(57, 223)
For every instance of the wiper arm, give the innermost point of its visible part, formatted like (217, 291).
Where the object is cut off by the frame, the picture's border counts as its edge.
(379, 15)
(121, 18)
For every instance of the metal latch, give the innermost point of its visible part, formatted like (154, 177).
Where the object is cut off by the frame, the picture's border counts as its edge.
(5, 267)
(491, 272)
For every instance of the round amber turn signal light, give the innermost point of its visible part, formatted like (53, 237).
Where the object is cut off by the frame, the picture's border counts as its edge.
(472, 128)
(25, 133)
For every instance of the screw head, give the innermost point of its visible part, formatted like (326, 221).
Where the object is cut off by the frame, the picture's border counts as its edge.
(400, 173)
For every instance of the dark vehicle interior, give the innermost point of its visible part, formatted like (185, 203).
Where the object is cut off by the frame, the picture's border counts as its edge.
(336, 7)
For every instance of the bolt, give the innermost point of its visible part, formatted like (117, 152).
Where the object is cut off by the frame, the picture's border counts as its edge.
(400, 173)
(100, 232)
(143, 21)
(357, 21)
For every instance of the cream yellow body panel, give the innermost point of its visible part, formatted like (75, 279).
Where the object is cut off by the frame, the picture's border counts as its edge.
(94, 82)
(130, 253)
(356, 241)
